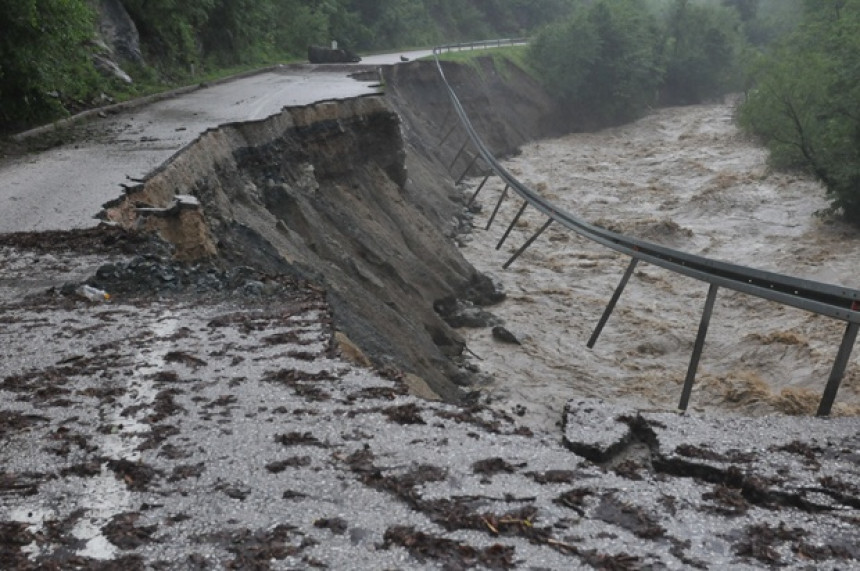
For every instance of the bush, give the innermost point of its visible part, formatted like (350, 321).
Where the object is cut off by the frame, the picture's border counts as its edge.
(44, 64)
(603, 61)
(806, 101)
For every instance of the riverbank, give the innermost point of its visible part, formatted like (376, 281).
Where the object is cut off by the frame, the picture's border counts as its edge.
(213, 414)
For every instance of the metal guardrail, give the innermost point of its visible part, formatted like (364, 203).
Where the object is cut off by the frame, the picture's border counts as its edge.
(481, 45)
(836, 302)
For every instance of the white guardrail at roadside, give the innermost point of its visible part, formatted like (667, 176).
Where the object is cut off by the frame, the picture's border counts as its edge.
(836, 302)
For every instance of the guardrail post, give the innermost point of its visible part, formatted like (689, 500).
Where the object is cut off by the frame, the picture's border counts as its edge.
(838, 370)
(480, 186)
(527, 244)
(448, 134)
(697, 348)
(615, 297)
(496, 209)
(460, 152)
(468, 168)
(511, 227)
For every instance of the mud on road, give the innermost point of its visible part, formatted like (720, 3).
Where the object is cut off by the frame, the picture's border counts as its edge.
(203, 419)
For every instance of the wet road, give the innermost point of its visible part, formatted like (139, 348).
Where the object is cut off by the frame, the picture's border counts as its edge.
(63, 188)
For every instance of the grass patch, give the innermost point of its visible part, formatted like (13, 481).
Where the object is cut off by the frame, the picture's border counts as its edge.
(149, 81)
(504, 59)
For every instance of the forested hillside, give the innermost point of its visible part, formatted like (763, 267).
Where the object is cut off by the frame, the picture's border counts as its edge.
(796, 61)
(805, 100)
(47, 46)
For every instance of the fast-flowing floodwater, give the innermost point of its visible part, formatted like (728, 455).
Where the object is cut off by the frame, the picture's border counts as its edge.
(685, 177)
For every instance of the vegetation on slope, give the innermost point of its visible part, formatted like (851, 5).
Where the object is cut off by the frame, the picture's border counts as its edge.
(797, 60)
(614, 59)
(45, 47)
(45, 66)
(805, 103)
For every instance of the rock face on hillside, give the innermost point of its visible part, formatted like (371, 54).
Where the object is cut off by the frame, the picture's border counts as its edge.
(118, 42)
(119, 31)
(351, 194)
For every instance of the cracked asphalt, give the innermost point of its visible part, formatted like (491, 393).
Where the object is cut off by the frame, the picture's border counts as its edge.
(80, 167)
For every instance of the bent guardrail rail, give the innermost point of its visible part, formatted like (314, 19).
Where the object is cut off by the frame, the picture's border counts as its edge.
(836, 302)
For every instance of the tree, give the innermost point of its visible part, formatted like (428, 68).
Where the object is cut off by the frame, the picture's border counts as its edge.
(238, 31)
(603, 61)
(806, 101)
(44, 63)
(701, 52)
(746, 9)
(169, 31)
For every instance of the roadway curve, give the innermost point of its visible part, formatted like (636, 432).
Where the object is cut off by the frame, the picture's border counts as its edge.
(64, 186)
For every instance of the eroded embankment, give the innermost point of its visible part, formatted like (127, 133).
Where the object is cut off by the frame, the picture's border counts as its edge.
(332, 192)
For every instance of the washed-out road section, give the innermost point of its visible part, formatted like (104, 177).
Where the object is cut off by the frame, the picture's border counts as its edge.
(211, 425)
(64, 186)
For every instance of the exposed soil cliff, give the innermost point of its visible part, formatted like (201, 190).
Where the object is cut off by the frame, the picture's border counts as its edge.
(505, 104)
(332, 192)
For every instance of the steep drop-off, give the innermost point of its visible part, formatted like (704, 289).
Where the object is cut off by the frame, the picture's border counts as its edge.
(354, 195)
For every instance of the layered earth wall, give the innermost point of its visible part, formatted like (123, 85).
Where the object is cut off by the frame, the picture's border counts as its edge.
(355, 195)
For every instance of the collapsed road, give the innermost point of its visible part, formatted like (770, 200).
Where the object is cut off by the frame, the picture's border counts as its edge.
(215, 414)
(78, 169)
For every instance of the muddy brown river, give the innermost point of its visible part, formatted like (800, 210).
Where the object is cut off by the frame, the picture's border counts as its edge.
(687, 178)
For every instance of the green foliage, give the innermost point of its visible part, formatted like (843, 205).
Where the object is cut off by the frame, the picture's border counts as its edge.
(505, 59)
(169, 30)
(772, 20)
(701, 51)
(44, 63)
(806, 101)
(603, 61)
(238, 31)
(297, 26)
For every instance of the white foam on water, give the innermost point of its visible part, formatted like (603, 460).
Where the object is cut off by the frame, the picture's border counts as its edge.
(685, 177)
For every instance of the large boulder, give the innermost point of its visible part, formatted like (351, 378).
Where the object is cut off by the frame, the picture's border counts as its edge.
(118, 31)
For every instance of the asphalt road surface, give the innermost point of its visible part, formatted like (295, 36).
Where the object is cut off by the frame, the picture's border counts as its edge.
(65, 186)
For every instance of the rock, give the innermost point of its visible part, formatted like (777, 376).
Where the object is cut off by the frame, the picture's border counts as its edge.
(419, 388)
(320, 54)
(595, 429)
(458, 313)
(253, 288)
(110, 68)
(119, 32)
(484, 290)
(350, 350)
(504, 335)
